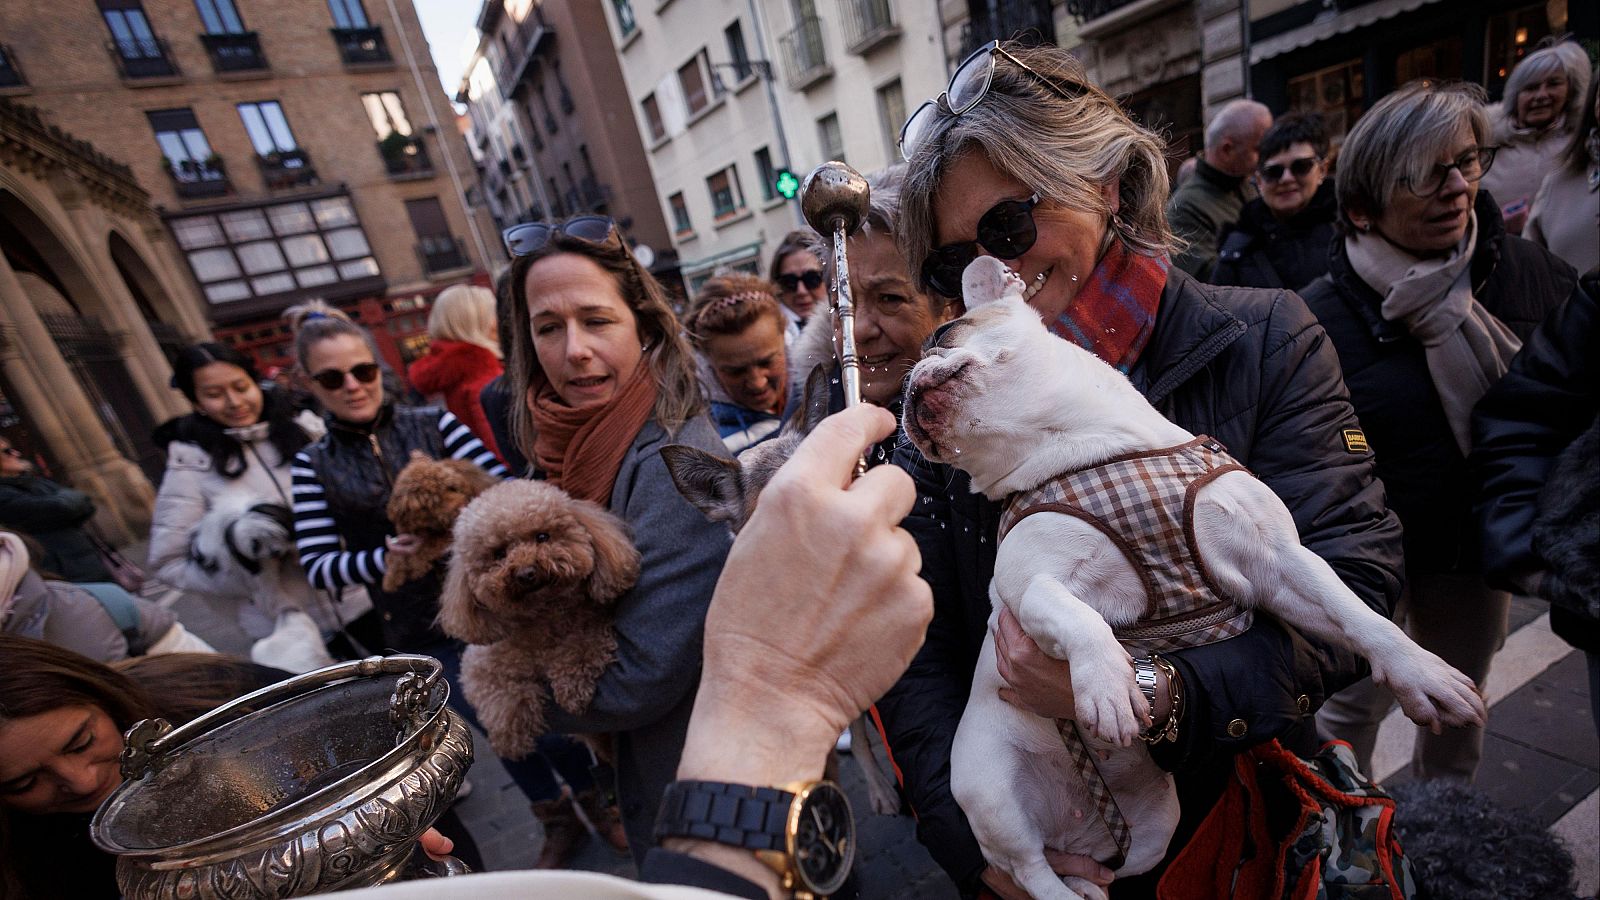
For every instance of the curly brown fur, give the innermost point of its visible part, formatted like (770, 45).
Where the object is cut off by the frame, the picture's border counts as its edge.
(532, 584)
(428, 494)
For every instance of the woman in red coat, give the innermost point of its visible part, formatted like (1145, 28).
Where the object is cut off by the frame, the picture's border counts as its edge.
(463, 355)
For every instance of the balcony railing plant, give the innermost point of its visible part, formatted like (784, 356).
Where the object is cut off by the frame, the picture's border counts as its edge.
(804, 55)
(441, 253)
(282, 169)
(360, 46)
(143, 58)
(868, 23)
(404, 155)
(10, 72)
(198, 178)
(235, 52)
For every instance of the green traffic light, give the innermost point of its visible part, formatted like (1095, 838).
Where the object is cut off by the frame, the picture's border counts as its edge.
(786, 184)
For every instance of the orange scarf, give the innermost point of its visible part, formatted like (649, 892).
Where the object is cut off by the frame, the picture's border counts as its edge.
(581, 448)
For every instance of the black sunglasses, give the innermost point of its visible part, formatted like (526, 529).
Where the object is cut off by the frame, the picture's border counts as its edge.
(1299, 168)
(333, 379)
(811, 278)
(530, 237)
(1007, 231)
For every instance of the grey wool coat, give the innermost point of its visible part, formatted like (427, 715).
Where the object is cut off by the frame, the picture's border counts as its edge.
(645, 697)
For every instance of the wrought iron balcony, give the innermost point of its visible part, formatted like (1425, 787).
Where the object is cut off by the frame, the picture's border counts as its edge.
(805, 58)
(198, 179)
(1030, 22)
(235, 52)
(282, 169)
(143, 58)
(867, 24)
(10, 71)
(1085, 10)
(361, 46)
(595, 194)
(405, 156)
(441, 253)
(534, 35)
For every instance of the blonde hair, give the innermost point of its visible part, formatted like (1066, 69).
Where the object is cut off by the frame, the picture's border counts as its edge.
(314, 321)
(465, 313)
(1064, 149)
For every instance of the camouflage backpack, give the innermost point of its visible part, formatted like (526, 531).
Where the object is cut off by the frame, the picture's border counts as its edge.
(1288, 828)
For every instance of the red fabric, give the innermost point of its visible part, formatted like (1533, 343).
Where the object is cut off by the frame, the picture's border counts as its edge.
(458, 371)
(581, 448)
(1114, 313)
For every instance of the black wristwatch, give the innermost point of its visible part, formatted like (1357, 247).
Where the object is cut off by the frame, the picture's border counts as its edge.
(804, 831)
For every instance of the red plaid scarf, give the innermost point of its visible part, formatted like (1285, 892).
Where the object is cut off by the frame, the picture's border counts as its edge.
(1114, 313)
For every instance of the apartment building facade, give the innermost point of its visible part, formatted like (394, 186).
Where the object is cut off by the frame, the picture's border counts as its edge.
(549, 134)
(294, 149)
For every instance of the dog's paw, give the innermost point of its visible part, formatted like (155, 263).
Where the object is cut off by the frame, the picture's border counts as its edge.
(572, 694)
(1431, 692)
(1107, 699)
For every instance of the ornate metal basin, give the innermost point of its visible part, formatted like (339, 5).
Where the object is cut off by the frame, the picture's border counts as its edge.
(319, 783)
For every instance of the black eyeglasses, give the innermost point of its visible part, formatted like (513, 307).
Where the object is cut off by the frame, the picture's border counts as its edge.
(1473, 165)
(333, 379)
(968, 86)
(1007, 230)
(811, 278)
(1299, 168)
(530, 237)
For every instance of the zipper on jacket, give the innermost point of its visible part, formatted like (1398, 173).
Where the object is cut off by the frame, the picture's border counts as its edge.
(377, 450)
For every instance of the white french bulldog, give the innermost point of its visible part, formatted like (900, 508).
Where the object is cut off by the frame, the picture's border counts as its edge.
(1013, 406)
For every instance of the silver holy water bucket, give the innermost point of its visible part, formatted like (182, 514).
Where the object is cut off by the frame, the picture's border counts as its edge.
(319, 783)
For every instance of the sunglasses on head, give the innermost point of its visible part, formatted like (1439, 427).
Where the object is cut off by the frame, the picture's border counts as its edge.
(1299, 168)
(1007, 231)
(531, 237)
(968, 86)
(790, 281)
(333, 379)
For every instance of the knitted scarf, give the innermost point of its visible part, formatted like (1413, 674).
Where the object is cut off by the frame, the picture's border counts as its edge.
(1114, 313)
(581, 448)
(1467, 348)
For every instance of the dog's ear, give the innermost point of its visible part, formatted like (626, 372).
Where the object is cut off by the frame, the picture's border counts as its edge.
(460, 616)
(711, 483)
(814, 403)
(987, 280)
(616, 560)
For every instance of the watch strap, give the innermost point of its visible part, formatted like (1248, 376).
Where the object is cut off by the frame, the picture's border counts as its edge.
(738, 815)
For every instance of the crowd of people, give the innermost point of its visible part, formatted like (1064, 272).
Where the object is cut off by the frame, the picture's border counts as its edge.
(1393, 330)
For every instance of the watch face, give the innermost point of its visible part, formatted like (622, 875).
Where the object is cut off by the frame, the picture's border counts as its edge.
(824, 839)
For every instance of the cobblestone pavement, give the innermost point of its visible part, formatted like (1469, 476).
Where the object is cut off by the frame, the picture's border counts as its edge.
(1541, 754)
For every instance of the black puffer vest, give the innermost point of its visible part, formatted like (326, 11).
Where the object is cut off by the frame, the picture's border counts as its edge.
(357, 466)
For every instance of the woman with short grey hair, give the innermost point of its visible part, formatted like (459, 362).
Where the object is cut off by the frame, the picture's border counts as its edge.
(1426, 300)
(1022, 158)
(1533, 124)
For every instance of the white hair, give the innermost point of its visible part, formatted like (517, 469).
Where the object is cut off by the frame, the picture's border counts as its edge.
(1235, 120)
(1567, 57)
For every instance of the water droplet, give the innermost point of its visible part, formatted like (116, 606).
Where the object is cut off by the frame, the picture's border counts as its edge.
(983, 539)
(926, 500)
(941, 526)
(1073, 277)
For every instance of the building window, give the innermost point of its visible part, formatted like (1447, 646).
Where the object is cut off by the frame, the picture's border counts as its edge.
(436, 246)
(891, 115)
(186, 154)
(652, 118)
(219, 17)
(348, 14)
(680, 214)
(625, 19)
(829, 137)
(268, 129)
(768, 175)
(693, 82)
(1511, 35)
(270, 250)
(726, 198)
(386, 114)
(140, 52)
(737, 54)
(1336, 92)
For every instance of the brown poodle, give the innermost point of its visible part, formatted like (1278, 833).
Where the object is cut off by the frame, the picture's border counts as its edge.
(428, 494)
(532, 586)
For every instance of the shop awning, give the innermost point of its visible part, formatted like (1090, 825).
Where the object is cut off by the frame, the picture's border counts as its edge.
(1330, 24)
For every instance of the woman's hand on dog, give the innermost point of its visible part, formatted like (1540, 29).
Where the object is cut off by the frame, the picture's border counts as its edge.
(402, 543)
(1038, 682)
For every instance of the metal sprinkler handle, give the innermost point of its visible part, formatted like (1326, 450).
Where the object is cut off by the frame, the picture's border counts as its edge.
(835, 199)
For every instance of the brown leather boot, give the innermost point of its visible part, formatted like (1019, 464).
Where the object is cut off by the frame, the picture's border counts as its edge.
(563, 833)
(607, 820)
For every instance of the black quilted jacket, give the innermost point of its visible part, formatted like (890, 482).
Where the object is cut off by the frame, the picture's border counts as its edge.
(1253, 369)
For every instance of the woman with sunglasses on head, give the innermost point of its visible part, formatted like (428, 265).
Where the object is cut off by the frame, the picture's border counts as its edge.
(1426, 300)
(798, 274)
(1024, 160)
(1282, 237)
(603, 380)
(222, 525)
